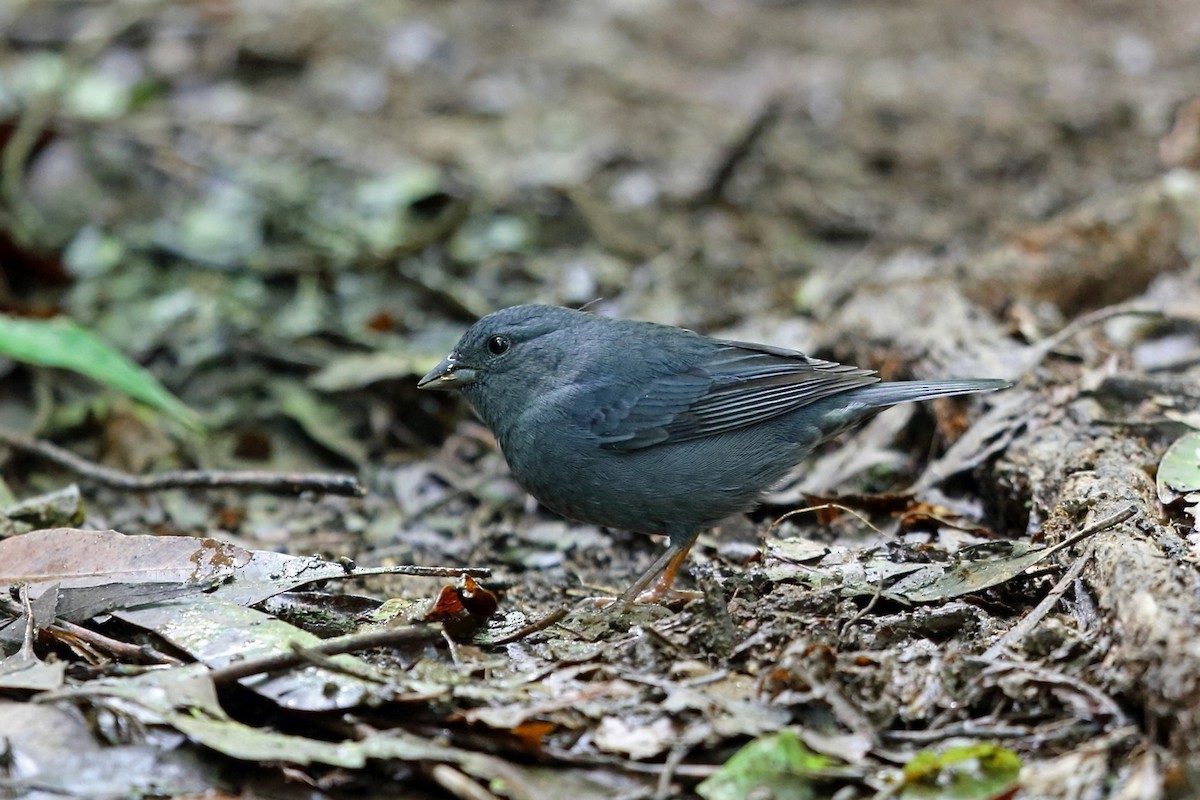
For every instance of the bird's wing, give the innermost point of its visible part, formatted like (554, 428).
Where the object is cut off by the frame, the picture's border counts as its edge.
(734, 386)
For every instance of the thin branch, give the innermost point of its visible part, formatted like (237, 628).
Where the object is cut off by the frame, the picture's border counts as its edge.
(533, 627)
(1030, 620)
(738, 151)
(412, 569)
(355, 642)
(458, 784)
(1039, 350)
(273, 482)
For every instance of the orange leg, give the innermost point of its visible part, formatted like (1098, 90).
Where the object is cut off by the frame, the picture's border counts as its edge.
(662, 574)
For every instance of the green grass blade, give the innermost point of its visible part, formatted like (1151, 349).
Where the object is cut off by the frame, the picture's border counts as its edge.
(60, 342)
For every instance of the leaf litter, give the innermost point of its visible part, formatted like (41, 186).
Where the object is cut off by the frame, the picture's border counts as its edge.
(289, 271)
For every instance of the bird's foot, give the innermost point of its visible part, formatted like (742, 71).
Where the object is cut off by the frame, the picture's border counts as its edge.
(660, 594)
(663, 593)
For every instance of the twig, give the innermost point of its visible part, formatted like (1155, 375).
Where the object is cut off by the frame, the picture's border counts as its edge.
(132, 652)
(1105, 524)
(26, 651)
(1030, 620)
(675, 757)
(452, 647)
(1103, 702)
(862, 612)
(327, 662)
(354, 642)
(563, 757)
(737, 152)
(412, 569)
(1039, 350)
(969, 728)
(661, 638)
(533, 627)
(822, 507)
(273, 482)
(456, 783)
(60, 628)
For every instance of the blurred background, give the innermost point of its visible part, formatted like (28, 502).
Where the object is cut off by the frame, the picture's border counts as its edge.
(289, 209)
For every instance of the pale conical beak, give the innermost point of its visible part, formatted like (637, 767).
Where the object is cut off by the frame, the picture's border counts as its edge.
(450, 374)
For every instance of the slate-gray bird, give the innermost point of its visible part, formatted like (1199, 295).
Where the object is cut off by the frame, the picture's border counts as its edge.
(654, 428)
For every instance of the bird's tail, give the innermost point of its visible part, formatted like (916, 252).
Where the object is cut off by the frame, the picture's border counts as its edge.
(879, 395)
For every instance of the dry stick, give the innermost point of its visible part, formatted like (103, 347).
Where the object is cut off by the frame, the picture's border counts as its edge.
(533, 627)
(1039, 350)
(351, 643)
(402, 569)
(823, 506)
(675, 757)
(1096, 527)
(62, 628)
(864, 610)
(738, 151)
(1050, 677)
(1027, 624)
(458, 784)
(113, 646)
(26, 651)
(274, 482)
(660, 637)
(1030, 620)
(308, 656)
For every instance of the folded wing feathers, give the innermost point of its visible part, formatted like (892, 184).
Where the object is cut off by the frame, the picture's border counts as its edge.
(740, 385)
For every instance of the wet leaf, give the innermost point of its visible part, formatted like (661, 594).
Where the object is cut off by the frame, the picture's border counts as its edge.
(779, 765)
(218, 633)
(31, 674)
(975, 772)
(61, 507)
(58, 756)
(966, 575)
(60, 342)
(184, 699)
(77, 558)
(354, 371)
(224, 228)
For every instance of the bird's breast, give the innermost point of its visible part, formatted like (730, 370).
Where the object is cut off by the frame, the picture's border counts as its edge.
(651, 490)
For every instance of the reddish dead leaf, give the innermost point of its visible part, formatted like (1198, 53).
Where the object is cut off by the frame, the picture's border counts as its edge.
(477, 600)
(447, 606)
(1181, 147)
(382, 322)
(230, 519)
(533, 733)
(253, 445)
(952, 418)
(469, 603)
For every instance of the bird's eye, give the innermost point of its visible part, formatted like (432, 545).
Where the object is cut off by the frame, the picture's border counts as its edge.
(498, 345)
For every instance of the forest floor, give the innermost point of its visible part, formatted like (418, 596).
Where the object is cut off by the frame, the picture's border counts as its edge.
(288, 211)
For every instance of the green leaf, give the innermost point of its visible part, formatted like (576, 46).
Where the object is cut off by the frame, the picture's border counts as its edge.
(1179, 470)
(779, 764)
(60, 342)
(974, 772)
